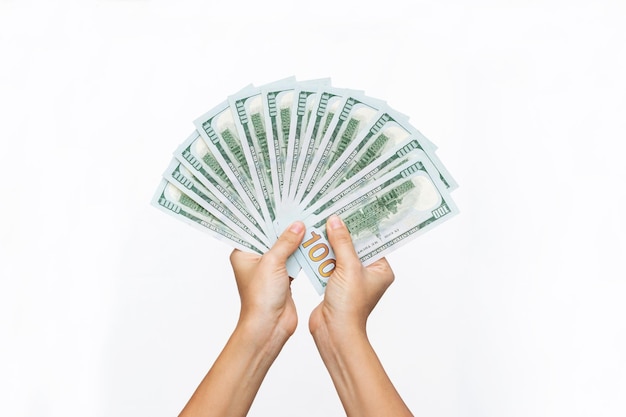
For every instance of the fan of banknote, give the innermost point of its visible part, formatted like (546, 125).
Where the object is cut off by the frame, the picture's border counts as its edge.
(304, 150)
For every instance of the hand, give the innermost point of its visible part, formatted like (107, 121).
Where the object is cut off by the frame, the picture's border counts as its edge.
(266, 320)
(338, 326)
(264, 285)
(353, 290)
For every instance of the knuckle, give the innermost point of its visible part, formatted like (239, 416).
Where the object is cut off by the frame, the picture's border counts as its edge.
(234, 256)
(288, 239)
(353, 264)
(349, 266)
(271, 257)
(390, 277)
(343, 238)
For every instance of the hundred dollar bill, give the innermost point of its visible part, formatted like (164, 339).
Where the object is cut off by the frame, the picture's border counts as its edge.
(444, 175)
(328, 105)
(386, 134)
(389, 213)
(373, 190)
(184, 180)
(305, 100)
(218, 128)
(251, 128)
(169, 199)
(356, 113)
(278, 103)
(407, 152)
(248, 106)
(195, 155)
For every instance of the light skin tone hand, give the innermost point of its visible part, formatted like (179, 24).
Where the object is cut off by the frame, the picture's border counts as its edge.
(338, 325)
(267, 319)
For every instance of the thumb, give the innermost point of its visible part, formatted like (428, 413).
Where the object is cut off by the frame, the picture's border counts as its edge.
(287, 243)
(340, 240)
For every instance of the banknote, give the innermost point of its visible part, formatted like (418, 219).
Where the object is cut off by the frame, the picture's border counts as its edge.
(306, 100)
(183, 179)
(200, 168)
(279, 102)
(251, 128)
(407, 152)
(386, 134)
(218, 128)
(305, 150)
(386, 215)
(195, 155)
(353, 116)
(171, 200)
(327, 106)
(278, 105)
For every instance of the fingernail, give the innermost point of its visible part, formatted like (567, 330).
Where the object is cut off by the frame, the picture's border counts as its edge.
(296, 227)
(335, 222)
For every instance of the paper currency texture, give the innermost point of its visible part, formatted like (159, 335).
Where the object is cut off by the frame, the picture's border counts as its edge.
(305, 150)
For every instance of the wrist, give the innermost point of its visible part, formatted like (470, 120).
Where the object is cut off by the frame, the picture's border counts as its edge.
(262, 333)
(338, 335)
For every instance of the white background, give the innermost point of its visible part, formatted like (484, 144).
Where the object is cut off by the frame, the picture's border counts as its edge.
(516, 307)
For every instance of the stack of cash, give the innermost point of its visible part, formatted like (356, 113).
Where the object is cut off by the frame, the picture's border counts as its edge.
(304, 150)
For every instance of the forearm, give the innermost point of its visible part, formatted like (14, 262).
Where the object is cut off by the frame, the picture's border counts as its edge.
(231, 384)
(358, 375)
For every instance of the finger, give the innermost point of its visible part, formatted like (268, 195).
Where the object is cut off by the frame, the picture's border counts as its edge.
(287, 243)
(340, 240)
